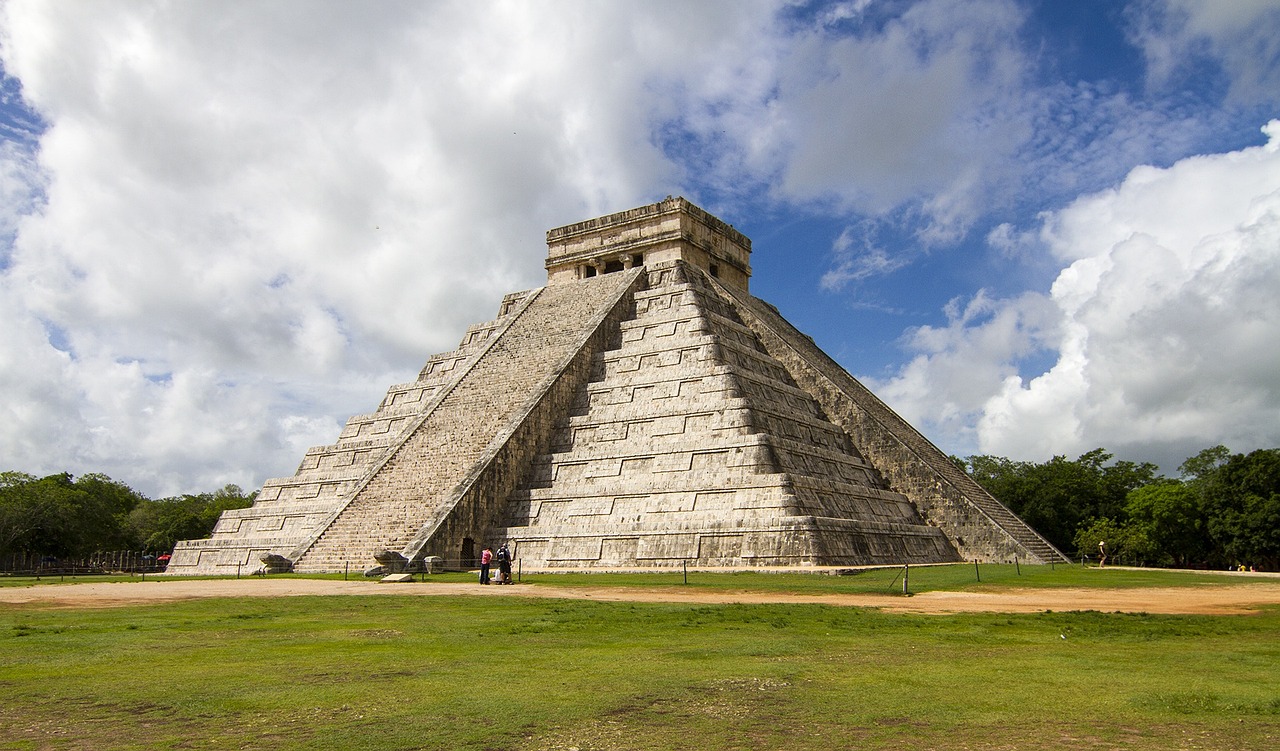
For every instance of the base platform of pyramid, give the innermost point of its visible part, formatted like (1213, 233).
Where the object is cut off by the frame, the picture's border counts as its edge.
(642, 410)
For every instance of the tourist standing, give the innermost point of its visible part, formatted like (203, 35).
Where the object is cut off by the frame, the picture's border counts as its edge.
(486, 557)
(504, 565)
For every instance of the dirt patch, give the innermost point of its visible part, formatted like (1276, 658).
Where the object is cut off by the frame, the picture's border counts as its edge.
(1230, 600)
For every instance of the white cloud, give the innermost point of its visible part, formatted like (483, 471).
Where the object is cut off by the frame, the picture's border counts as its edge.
(939, 117)
(244, 220)
(905, 113)
(1009, 241)
(21, 189)
(259, 215)
(957, 368)
(1164, 323)
(1241, 35)
(857, 258)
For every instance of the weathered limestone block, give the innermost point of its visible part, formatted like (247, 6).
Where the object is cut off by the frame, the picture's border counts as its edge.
(391, 561)
(275, 564)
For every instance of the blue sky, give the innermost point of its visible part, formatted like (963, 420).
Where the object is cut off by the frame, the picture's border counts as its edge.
(1034, 228)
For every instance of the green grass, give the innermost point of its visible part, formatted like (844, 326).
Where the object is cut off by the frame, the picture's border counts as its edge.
(921, 579)
(962, 576)
(952, 577)
(388, 672)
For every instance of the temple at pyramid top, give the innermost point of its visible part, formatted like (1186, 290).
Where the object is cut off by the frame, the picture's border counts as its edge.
(670, 230)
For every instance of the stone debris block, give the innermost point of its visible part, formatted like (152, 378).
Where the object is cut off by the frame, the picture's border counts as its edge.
(276, 564)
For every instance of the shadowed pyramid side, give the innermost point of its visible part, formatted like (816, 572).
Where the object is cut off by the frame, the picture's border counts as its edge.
(947, 497)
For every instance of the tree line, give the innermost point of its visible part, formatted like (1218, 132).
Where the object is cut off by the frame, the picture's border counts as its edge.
(1222, 511)
(71, 517)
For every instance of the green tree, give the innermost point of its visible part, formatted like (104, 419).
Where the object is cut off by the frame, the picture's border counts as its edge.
(44, 515)
(163, 523)
(1058, 496)
(1242, 503)
(1125, 544)
(1169, 514)
(1205, 465)
(102, 515)
(62, 516)
(19, 517)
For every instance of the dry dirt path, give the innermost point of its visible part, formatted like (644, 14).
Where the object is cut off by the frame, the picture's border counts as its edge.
(1226, 600)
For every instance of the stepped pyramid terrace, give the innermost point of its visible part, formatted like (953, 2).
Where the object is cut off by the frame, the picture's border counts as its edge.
(640, 410)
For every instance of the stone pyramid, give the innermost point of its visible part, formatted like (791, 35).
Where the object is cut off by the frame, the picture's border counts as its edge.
(640, 410)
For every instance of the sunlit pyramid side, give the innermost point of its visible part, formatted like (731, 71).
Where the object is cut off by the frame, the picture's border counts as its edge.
(640, 410)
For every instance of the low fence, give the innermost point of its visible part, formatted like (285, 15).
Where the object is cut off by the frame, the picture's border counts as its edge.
(106, 562)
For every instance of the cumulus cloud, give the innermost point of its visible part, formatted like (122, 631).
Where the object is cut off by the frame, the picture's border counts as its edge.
(939, 117)
(1009, 241)
(231, 226)
(955, 369)
(1171, 310)
(1163, 323)
(245, 220)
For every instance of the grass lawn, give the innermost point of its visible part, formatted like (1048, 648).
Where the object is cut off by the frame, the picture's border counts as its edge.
(920, 579)
(883, 580)
(388, 672)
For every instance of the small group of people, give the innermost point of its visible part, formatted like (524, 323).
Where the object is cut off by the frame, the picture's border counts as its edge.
(504, 564)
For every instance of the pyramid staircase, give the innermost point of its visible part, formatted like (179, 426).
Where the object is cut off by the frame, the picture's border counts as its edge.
(692, 444)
